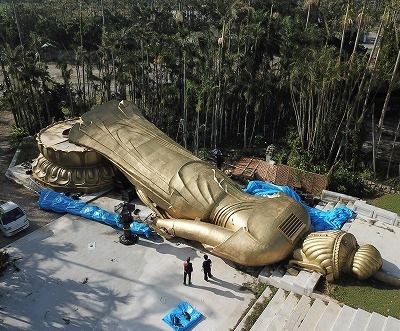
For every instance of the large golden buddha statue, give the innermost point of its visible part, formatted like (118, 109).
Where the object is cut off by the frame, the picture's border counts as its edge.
(194, 200)
(191, 198)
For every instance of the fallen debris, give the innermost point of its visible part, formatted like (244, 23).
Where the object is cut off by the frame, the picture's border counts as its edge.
(66, 321)
(5, 261)
(4, 257)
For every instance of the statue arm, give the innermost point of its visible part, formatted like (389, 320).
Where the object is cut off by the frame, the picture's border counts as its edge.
(208, 234)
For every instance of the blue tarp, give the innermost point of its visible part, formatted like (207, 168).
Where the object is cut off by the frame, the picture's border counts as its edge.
(321, 220)
(177, 320)
(60, 203)
(141, 228)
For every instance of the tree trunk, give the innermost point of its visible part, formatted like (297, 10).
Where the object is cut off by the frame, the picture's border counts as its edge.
(196, 140)
(344, 30)
(19, 30)
(358, 32)
(393, 145)
(245, 127)
(389, 92)
(308, 14)
(185, 112)
(373, 141)
(253, 130)
(7, 81)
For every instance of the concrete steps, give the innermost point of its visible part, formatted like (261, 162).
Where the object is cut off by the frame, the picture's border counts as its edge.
(364, 211)
(330, 200)
(289, 312)
(342, 322)
(283, 314)
(369, 212)
(265, 295)
(330, 196)
(303, 283)
(331, 205)
(269, 312)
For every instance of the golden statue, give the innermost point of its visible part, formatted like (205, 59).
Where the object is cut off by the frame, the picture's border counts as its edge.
(194, 200)
(66, 167)
(332, 253)
(191, 198)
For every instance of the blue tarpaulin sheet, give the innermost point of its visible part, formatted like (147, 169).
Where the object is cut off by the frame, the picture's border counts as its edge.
(60, 203)
(141, 228)
(321, 220)
(183, 317)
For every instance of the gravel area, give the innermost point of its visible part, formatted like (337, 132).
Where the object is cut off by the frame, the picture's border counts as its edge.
(14, 192)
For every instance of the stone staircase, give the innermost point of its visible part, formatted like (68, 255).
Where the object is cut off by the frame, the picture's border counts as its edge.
(303, 283)
(363, 210)
(289, 311)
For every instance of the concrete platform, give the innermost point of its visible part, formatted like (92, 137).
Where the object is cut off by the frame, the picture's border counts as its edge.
(76, 276)
(385, 237)
(18, 175)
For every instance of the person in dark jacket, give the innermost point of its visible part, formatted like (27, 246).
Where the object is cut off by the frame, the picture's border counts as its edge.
(207, 268)
(187, 271)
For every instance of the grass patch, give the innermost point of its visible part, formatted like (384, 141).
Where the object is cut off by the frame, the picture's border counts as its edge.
(29, 150)
(388, 201)
(370, 295)
(256, 287)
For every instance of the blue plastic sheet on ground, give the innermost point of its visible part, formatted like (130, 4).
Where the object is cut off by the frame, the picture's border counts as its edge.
(183, 317)
(141, 228)
(60, 203)
(321, 220)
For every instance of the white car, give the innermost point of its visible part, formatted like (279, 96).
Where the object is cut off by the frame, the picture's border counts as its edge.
(12, 218)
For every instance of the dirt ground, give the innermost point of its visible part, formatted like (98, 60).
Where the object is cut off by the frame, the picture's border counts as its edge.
(14, 192)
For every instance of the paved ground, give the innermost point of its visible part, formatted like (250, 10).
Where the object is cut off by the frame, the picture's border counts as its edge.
(385, 237)
(76, 276)
(14, 192)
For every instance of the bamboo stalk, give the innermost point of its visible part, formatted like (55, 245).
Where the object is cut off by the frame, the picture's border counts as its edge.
(387, 98)
(396, 133)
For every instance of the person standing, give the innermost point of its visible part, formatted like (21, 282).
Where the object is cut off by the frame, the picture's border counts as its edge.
(187, 271)
(207, 268)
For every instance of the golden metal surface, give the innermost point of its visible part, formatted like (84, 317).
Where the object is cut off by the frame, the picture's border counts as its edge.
(67, 167)
(191, 198)
(333, 253)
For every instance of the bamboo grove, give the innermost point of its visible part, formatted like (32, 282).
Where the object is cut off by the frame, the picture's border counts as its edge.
(208, 73)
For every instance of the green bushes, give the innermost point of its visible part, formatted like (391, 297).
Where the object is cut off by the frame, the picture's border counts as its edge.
(344, 180)
(17, 134)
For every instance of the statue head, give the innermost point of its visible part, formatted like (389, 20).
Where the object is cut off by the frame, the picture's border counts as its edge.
(367, 260)
(334, 253)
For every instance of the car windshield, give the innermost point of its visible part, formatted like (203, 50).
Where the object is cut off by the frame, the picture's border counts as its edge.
(11, 215)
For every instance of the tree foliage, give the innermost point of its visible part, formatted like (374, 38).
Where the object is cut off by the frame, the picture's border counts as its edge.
(208, 73)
